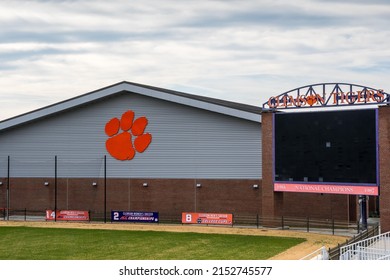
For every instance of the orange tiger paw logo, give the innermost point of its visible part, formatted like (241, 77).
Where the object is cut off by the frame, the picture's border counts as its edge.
(120, 144)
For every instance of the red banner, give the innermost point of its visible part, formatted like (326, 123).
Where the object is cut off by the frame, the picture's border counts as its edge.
(67, 215)
(207, 218)
(326, 188)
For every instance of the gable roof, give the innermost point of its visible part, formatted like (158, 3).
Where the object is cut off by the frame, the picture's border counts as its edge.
(239, 110)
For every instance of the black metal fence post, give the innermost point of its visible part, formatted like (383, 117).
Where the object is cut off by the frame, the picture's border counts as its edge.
(307, 224)
(105, 188)
(8, 187)
(333, 226)
(55, 189)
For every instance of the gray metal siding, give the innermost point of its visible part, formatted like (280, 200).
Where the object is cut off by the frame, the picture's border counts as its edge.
(187, 143)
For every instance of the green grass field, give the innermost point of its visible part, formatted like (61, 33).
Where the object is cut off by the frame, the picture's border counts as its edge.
(29, 243)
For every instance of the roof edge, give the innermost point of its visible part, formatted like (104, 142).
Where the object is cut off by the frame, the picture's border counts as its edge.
(239, 110)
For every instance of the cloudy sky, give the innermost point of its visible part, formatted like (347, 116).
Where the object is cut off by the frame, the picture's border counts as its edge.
(243, 51)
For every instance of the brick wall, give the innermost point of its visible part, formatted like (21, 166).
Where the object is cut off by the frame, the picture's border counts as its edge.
(384, 163)
(272, 202)
(3, 193)
(233, 196)
(317, 206)
(170, 197)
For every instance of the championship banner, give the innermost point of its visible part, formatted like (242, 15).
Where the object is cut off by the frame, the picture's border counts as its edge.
(326, 188)
(67, 215)
(207, 218)
(134, 217)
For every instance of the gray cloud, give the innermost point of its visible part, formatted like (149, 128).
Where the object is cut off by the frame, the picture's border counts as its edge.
(356, 2)
(286, 19)
(243, 51)
(32, 54)
(78, 36)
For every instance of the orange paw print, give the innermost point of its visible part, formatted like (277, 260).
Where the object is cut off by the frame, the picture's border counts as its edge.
(120, 146)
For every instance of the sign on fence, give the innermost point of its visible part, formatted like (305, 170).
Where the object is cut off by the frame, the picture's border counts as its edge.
(207, 218)
(134, 216)
(67, 215)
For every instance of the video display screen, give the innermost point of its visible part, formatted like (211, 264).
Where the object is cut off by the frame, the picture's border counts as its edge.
(329, 147)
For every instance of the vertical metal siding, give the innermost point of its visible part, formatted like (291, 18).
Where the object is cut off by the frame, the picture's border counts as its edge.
(3, 167)
(187, 143)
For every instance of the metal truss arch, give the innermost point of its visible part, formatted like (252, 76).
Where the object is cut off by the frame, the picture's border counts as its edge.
(327, 95)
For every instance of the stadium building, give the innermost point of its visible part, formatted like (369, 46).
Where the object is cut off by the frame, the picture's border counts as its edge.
(137, 147)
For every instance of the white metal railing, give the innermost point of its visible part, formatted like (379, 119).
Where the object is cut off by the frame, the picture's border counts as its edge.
(387, 257)
(374, 248)
(320, 254)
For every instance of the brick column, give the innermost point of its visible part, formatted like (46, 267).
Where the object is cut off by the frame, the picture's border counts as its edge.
(272, 202)
(384, 167)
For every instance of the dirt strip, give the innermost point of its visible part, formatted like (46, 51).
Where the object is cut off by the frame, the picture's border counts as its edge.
(313, 241)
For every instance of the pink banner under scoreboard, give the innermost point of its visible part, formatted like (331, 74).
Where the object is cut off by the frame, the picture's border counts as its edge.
(326, 188)
(67, 215)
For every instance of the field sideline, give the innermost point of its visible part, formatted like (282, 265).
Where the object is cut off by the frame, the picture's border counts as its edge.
(313, 241)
